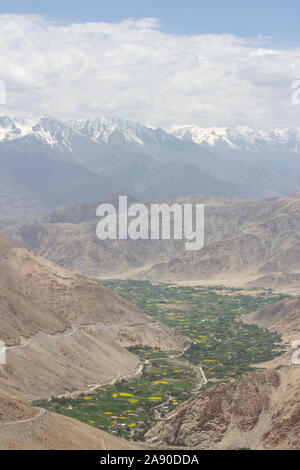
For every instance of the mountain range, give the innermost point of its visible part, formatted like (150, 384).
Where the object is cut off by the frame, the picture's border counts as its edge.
(255, 240)
(65, 333)
(45, 162)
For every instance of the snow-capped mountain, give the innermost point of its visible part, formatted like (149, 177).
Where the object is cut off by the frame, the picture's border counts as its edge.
(11, 129)
(55, 132)
(111, 131)
(57, 162)
(240, 138)
(48, 131)
(102, 129)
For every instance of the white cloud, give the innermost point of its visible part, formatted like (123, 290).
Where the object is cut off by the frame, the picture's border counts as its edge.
(135, 71)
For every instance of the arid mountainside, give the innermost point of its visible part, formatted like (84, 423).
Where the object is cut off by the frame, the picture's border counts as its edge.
(288, 281)
(14, 410)
(64, 333)
(23, 427)
(261, 411)
(283, 316)
(253, 238)
(67, 237)
(241, 238)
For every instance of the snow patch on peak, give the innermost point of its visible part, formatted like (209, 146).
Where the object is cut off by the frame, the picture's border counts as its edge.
(241, 137)
(102, 129)
(118, 132)
(207, 135)
(11, 129)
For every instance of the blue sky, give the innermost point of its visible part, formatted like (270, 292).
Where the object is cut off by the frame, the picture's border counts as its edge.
(246, 18)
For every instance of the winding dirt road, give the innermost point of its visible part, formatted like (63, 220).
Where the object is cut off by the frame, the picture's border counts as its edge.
(41, 412)
(94, 387)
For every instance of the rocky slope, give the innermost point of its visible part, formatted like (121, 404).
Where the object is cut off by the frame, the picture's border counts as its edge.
(64, 332)
(280, 280)
(241, 238)
(14, 410)
(283, 316)
(261, 411)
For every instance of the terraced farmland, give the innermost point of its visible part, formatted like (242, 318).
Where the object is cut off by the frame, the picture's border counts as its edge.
(130, 408)
(222, 347)
(225, 347)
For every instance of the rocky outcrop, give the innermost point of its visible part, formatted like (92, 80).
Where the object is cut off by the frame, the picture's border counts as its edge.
(225, 416)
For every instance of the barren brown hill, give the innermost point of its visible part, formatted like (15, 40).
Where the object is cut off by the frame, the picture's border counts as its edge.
(14, 410)
(283, 316)
(261, 411)
(241, 237)
(23, 427)
(65, 333)
(278, 281)
(67, 237)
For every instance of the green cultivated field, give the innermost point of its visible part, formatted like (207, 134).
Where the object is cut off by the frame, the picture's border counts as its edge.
(130, 408)
(221, 345)
(209, 316)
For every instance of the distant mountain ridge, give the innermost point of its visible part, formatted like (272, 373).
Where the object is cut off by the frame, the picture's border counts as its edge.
(278, 149)
(46, 162)
(241, 137)
(256, 239)
(103, 129)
